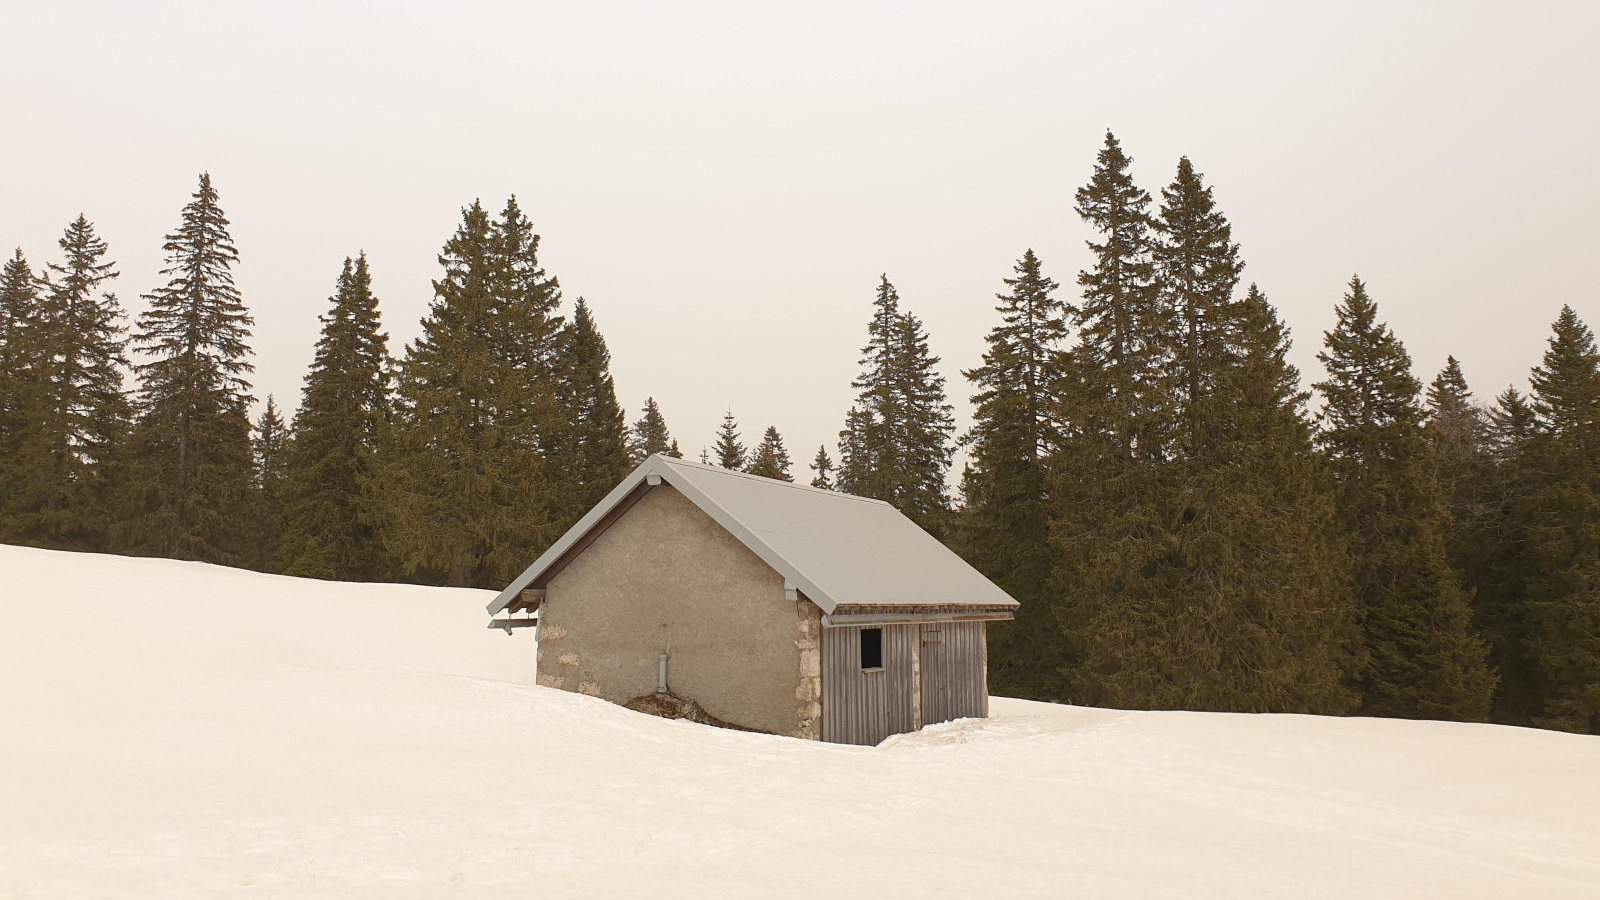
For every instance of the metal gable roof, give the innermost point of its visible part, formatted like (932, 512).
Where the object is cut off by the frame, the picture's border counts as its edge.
(838, 549)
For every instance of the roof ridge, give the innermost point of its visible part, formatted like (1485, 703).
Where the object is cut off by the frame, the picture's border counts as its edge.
(678, 461)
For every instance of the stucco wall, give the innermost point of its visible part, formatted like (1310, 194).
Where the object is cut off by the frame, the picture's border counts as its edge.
(666, 578)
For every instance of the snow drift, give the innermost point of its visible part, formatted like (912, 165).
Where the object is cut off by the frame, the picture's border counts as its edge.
(176, 729)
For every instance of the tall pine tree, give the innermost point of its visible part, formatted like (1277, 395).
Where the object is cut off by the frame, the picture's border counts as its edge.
(1105, 480)
(1004, 527)
(822, 464)
(729, 450)
(896, 442)
(1562, 529)
(189, 491)
(1424, 659)
(462, 489)
(24, 395)
(269, 449)
(330, 527)
(1121, 318)
(74, 420)
(591, 447)
(770, 459)
(1197, 267)
(650, 435)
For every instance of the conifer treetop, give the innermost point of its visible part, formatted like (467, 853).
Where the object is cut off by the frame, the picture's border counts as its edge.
(770, 459)
(1369, 386)
(823, 466)
(730, 453)
(197, 328)
(1566, 384)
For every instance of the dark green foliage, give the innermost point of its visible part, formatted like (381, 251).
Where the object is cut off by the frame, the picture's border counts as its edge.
(269, 448)
(589, 442)
(461, 487)
(1424, 658)
(1455, 424)
(770, 459)
(24, 392)
(71, 412)
(823, 466)
(190, 488)
(1121, 320)
(855, 457)
(729, 451)
(1511, 422)
(650, 434)
(1562, 529)
(19, 311)
(1004, 527)
(329, 525)
(896, 442)
(1493, 501)
(1197, 267)
(1264, 581)
(1214, 580)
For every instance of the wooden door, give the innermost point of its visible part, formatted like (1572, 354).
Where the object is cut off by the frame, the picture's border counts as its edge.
(952, 664)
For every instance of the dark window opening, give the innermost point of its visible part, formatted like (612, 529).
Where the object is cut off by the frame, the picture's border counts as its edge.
(871, 648)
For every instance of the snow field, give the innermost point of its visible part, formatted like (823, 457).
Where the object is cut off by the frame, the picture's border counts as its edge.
(175, 729)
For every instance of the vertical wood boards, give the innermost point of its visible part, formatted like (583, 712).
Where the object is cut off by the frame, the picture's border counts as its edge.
(864, 707)
(952, 663)
(937, 669)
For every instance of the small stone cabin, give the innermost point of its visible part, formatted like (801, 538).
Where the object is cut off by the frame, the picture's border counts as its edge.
(774, 606)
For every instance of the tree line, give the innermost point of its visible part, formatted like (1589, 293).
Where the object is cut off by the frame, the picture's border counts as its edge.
(1147, 473)
(1148, 476)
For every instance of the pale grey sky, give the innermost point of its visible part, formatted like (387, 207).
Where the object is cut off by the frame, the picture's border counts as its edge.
(724, 183)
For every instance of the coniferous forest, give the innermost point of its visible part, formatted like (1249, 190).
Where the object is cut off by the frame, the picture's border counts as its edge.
(1188, 520)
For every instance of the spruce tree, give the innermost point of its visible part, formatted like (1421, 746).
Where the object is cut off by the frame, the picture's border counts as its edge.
(770, 459)
(896, 442)
(855, 456)
(1424, 659)
(1106, 481)
(19, 313)
(650, 434)
(77, 416)
(1259, 611)
(1455, 422)
(591, 448)
(269, 448)
(1216, 579)
(1197, 267)
(329, 528)
(1501, 497)
(1121, 317)
(871, 455)
(730, 453)
(924, 441)
(24, 396)
(1512, 422)
(462, 490)
(1561, 533)
(823, 466)
(1004, 527)
(190, 491)
(1456, 428)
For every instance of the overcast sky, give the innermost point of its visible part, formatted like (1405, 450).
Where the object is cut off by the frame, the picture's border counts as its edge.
(725, 183)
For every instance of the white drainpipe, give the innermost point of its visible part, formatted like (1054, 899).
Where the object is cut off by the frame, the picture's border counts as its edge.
(661, 683)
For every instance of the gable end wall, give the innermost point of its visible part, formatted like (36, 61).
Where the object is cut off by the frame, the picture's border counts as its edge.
(665, 577)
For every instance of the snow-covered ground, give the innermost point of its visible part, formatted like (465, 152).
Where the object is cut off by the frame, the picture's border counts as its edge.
(173, 729)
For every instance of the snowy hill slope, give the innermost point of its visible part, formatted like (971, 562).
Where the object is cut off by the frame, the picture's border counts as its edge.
(174, 729)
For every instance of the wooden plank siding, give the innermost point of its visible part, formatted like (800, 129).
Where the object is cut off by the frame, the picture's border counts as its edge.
(953, 667)
(865, 706)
